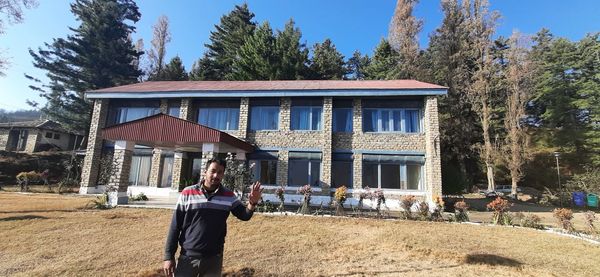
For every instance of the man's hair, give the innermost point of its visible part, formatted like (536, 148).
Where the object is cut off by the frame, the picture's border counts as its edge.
(220, 162)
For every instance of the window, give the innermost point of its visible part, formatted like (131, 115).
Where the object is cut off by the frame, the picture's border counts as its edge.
(306, 118)
(126, 114)
(56, 136)
(391, 120)
(392, 172)
(140, 170)
(265, 167)
(48, 135)
(219, 118)
(341, 170)
(342, 119)
(174, 111)
(304, 168)
(167, 171)
(264, 118)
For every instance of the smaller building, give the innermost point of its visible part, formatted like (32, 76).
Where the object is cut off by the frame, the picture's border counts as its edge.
(37, 135)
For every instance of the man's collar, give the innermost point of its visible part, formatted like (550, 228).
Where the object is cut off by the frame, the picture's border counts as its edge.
(204, 190)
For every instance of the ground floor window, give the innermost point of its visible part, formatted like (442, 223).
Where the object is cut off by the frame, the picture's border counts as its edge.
(167, 171)
(341, 170)
(265, 167)
(393, 172)
(304, 168)
(141, 166)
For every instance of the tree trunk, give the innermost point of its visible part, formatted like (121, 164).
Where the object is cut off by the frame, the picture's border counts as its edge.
(485, 124)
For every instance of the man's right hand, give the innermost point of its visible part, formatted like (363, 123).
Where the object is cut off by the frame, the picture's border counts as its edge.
(169, 268)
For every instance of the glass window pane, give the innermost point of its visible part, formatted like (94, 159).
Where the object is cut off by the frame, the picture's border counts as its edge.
(397, 118)
(133, 172)
(174, 111)
(341, 174)
(370, 175)
(412, 121)
(413, 173)
(266, 172)
(167, 172)
(390, 176)
(298, 172)
(234, 116)
(203, 117)
(316, 118)
(342, 120)
(300, 118)
(315, 173)
(370, 120)
(264, 118)
(385, 121)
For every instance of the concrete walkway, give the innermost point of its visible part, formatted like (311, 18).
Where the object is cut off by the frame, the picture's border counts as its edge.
(153, 202)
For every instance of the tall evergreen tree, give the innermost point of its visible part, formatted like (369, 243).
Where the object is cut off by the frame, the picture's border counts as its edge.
(403, 37)
(357, 65)
(173, 71)
(97, 55)
(292, 55)
(450, 66)
(327, 63)
(384, 64)
(225, 41)
(257, 57)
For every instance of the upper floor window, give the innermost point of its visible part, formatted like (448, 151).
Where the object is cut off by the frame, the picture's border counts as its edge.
(126, 114)
(174, 109)
(306, 118)
(219, 118)
(306, 114)
(264, 117)
(342, 119)
(391, 120)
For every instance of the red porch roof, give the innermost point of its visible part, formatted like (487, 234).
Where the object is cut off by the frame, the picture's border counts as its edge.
(163, 130)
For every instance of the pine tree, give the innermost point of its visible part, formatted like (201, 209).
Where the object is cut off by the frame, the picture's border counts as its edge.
(173, 71)
(99, 54)
(450, 66)
(225, 41)
(403, 37)
(256, 58)
(384, 64)
(292, 55)
(357, 65)
(327, 63)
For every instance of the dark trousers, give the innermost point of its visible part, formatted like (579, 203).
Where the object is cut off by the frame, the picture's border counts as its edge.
(190, 266)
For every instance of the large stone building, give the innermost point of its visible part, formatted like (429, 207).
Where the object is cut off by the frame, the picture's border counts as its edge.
(380, 134)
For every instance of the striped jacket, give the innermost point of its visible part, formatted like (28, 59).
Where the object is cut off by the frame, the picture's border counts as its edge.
(199, 223)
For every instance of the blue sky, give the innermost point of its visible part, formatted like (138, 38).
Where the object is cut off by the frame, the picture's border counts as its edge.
(351, 24)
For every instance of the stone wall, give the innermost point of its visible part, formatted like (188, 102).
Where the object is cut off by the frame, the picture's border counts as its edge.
(32, 140)
(4, 139)
(93, 154)
(433, 162)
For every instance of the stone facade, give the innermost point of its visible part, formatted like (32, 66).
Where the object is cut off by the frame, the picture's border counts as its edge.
(4, 139)
(285, 140)
(93, 154)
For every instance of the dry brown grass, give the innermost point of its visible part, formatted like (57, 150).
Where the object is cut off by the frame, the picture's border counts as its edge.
(50, 235)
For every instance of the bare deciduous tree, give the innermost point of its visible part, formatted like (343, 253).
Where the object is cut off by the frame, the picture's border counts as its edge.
(519, 80)
(156, 55)
(482, 24)
(404, 29)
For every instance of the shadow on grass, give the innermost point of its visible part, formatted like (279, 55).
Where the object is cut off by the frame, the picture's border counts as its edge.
(22, 217)
(490, 259)
(394, 272)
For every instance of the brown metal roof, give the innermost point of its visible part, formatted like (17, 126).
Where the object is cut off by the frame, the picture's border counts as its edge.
(163, 130)
(199, 86)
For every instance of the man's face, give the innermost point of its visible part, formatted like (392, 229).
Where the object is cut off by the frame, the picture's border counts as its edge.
(213, 176)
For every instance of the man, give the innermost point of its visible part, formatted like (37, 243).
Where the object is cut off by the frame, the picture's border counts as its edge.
(199, 223)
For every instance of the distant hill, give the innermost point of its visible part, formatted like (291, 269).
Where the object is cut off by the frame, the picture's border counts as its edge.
(19, 115)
